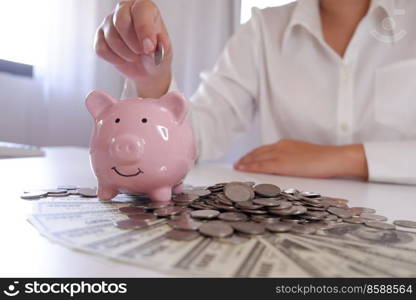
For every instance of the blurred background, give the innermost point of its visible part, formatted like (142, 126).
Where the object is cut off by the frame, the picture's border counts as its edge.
(47, 62)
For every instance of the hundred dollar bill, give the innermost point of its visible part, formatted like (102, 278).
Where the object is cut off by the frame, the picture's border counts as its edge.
(317, 262)
(386, 266)
(47, 207)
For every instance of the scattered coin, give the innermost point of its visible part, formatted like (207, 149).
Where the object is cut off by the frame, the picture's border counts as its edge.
(87, 192)
(185, 198)
(232, 216)
(267, 190)
(268, 202)
(249, 227)
(279, 227)
(167, 211)
(404, 223)
(205, 214)
(131, 210)
(131, 224)
(379, 225)
(216, 229)
(355, 220)
(185, 224)
(156, 205)
(359, 210)
(182, 235)
(373, 217)
(34, 195)
(340, 212)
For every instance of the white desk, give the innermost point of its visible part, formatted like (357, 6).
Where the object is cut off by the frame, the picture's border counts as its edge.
(24, 253)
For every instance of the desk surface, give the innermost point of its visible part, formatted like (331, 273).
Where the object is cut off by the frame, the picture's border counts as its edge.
(25, 253)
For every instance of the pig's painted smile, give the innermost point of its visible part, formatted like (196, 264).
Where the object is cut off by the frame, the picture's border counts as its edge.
(127, 175)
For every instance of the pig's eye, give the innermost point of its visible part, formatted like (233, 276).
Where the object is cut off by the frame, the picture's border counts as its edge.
(144, 120)
(117, 120)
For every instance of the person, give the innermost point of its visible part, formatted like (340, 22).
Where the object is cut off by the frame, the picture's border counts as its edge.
(333, 83)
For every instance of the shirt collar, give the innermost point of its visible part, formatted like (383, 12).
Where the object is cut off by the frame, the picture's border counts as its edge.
(306, 14)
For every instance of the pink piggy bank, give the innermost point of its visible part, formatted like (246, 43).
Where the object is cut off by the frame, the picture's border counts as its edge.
(140, 145)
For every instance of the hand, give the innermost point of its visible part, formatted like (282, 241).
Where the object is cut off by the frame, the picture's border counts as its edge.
(127, 39)
(296, 158)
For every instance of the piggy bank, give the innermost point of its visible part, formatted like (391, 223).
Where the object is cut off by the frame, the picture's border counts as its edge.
(140, 145)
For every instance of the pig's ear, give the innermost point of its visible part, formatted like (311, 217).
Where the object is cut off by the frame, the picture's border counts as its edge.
(176, 103)
(97, 102)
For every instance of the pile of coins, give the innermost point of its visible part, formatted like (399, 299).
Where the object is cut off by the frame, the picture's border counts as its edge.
(236, 211)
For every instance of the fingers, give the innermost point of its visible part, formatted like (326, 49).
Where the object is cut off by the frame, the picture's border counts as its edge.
(115, 42)
(252, 156)
(104, 51)
(124, 25)
(147, 24)
(267, 166)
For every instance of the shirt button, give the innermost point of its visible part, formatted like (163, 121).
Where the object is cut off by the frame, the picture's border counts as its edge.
(344, 127)
(345, 75)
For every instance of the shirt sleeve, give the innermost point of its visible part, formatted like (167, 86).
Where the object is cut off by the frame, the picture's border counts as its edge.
(392, 162)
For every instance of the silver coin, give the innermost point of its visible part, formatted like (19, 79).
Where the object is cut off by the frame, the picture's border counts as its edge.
(290, 191)
(182, 235)
(373, 217)
(292, 211)
(265, 219)
(355, 220)
(205, 214)
(63, 194)
(67, 187)
(340, 212)
(87, 192)
(145, 217)
(303, 228)
(282, 205)
(185, 198)
(279, 227)
(34, 195)
(359, 210)
(131, 224)
(380, 225)
(317, 214)
(254, 211)
(200, 192)
(249, 227)
(310, 194)
(216, 229)
(233, 216)
(131, 210)
(405, 223)
(238, 191)
(247, 205)
(167, 211)
(268, 202)
(267, 190)
(159, 54)
(185, 224)
(56, 191)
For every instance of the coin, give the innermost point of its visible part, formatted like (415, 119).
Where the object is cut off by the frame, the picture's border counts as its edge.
(233, 216)
(292, 211)
(167, 211)
(359, 210)
(156, 205)
(131, 210)
(282, 205)
(303, 228)
(34, 195)
(182, 235)
(185, 198)
(265, 219)
(379, 225)
(249, 227)
(405, 223)
(146, 217)
(355, 220)
(267, 190)
(205, 214)
(340, 212)
(268, 202)
(247, 205)
(87, 192)
(159, 53)
(131, 224)
(185, 224)
(199, 192)
(217, 229)
(373, 217)
(290, 191)
(238, 191)
(279, 227)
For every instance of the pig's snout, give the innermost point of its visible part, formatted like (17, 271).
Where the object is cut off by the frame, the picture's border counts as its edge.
(126, 149)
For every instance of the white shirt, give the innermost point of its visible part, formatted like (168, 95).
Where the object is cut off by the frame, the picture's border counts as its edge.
(279, 66)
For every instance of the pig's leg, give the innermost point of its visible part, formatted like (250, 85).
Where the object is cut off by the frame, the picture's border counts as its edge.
(163, 194)
(178, 189)
(106, 192)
